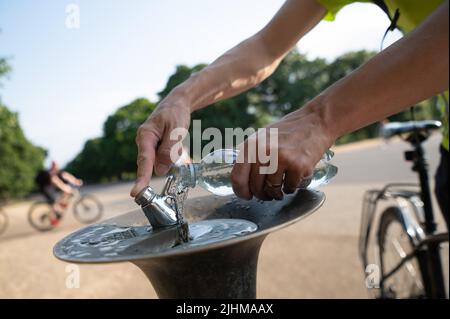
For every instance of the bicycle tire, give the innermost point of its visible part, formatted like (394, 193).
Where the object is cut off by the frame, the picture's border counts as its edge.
(83, 205)
(40, 211)
(4, 221)
(390, 217)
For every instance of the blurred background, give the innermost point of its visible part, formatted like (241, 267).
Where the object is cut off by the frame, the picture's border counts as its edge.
(77, 79)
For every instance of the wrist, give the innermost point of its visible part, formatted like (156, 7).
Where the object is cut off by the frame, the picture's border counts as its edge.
(321, 109)
(179, 97)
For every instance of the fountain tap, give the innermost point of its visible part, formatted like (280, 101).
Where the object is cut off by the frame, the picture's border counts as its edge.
(160, 209)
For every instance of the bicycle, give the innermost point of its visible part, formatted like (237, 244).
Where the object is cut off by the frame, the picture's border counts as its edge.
(86, 208)
(3, 221)
(405, 245)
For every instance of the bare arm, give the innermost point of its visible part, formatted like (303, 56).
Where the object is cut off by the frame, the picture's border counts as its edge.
(71, 179)
(58, 183)
(409, 71)
(256, 58)
(237, 70)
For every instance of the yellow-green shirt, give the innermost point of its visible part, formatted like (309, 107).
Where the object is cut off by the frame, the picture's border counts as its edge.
(412, 13)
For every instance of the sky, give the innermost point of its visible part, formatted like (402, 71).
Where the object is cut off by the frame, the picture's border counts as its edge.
(68, 77)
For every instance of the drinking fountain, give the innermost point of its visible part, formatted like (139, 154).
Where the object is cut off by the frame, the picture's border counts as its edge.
(219, 262)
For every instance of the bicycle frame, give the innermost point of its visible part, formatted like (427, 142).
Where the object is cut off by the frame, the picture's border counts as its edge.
(417, 212)
(76, 194)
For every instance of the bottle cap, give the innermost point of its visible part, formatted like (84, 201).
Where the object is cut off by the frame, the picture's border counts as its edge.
(145, 196)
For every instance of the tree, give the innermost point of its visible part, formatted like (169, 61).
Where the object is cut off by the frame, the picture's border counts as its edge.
(296, 81)
(90, 163)
(113, 156)
(237, 111)
(19, 158)
(5, 68)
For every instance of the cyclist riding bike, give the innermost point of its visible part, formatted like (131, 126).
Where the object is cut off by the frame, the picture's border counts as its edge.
(50, 182)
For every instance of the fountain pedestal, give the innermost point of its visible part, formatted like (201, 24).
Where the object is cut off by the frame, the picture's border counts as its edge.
(223, 269)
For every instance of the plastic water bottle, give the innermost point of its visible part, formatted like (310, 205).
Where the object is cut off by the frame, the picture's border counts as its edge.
(214, 170)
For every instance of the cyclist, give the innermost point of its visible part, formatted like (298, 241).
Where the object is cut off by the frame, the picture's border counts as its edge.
(49, 182)
(407, 72)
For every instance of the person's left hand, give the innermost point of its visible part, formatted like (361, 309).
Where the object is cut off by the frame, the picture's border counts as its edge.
(302, 140)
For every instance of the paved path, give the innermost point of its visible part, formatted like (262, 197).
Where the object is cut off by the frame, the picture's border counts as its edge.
(315, 258)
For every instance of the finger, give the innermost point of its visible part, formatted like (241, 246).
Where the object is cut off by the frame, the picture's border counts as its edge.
(240, 173)
(292, 178)
(146, 143)
(239, 180)
(273, 185)
(169, 151)
(256, 183)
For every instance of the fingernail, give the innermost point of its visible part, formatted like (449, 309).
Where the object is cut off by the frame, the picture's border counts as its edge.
(161, 169)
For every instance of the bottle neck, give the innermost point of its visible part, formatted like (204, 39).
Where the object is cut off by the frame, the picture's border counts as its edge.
(192, 174)
(186, 174)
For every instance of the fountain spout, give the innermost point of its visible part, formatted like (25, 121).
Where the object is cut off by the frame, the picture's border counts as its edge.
(160, 210)
(164, 211)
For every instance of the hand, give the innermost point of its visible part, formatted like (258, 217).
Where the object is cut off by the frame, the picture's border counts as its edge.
(302, 140)
(153, 139)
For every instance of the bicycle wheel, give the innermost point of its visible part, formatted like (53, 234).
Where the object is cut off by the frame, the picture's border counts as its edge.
(3, 222)
(87, 209)
(38, 216)
(395, 243)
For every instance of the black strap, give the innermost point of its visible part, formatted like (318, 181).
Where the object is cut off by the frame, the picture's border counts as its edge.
(394, 19)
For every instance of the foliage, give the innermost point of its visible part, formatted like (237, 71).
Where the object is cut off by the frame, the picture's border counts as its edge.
(296, 81)
(19, 158)
(5, 68)
(113, 156)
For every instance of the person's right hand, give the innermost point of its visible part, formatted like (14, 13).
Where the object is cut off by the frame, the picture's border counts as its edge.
(153, 139)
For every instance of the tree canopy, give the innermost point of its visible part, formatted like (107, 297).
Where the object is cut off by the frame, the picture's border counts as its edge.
(19, 158)
(296, 81)
(113, 156)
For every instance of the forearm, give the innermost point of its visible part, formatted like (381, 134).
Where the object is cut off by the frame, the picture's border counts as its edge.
(411, 70)
(70, 178)
(237, 70)
(254, 59)
(58, 183)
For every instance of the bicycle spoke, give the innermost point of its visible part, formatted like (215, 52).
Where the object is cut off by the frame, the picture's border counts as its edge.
(87, 209)
(404, 282)
(39, 216)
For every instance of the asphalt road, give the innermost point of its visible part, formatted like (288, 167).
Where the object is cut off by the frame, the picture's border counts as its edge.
(315, 258)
